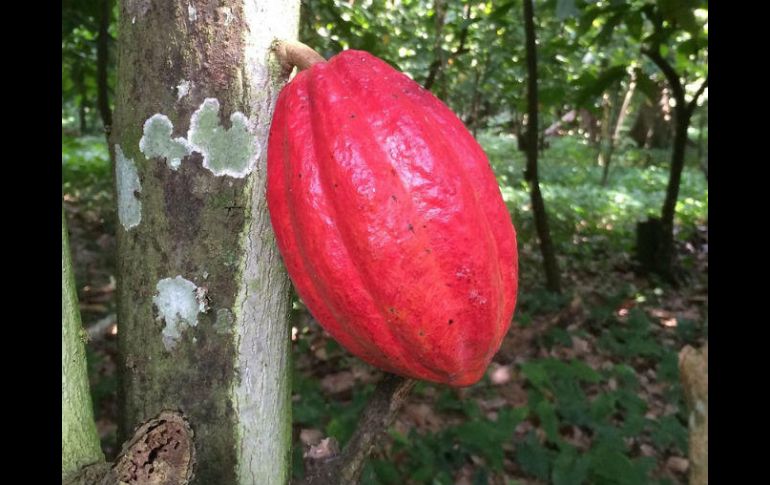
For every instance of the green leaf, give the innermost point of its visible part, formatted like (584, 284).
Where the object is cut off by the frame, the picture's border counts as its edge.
(485, 438)
(566, 9)
(548, 420)
(569, 468)
(386, 472)
(551, 96)
(423, 474)
(615, 467)
(593, 89)
(297, 463)
(632, 403)
(533, 458)
(647, 86)
(609, 26)
(468, 22)
(509, 418)
(499, 12)
(584, 372)
(669, 432)
(635, 22)
(587, 19)
(603, 406)
(680, 12)
(536, 373)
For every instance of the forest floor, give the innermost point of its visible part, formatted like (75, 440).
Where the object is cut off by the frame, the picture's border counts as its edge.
(585, 388)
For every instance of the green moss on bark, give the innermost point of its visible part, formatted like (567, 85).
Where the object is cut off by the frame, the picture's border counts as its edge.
(80, 442)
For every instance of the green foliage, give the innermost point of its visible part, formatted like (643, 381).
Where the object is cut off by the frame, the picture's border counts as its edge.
(314, 410)
(587, 220)
(80, 30)
(86, 172)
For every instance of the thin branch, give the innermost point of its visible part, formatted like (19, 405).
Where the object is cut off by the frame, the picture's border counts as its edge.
(668, 71)
(694, 101)
(438, 64)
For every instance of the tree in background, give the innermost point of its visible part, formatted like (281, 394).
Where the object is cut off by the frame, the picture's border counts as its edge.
(667, 22)
(673, 36)
(553, 279)
(88, 63)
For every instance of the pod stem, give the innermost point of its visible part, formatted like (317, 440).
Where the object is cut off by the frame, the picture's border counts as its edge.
(292, 54)
(345, 468)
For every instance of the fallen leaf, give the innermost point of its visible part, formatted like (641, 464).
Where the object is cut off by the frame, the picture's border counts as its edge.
(647, 450)
(338, 383)
(311, 437)
(677, 464)
(327, 448)
(423, 416)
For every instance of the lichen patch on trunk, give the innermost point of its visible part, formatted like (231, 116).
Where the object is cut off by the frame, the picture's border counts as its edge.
(182, 89)
(178, 301)
(232, 151)
(226, 13)
(157, 142)
(127, 178)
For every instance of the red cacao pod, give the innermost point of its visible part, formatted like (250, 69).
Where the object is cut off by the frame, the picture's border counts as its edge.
(390, 221)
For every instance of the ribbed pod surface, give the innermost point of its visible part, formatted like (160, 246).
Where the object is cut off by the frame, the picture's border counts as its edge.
(390, 221)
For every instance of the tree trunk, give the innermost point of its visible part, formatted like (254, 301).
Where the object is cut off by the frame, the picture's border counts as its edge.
(203, 317)
(619, 118)
(664, 263)
(589, 126)
(437, 66)
(80, 84)
(693, 369)
(652, 128)
(79, 440)
(102, 63)
(703, 161)
(472, 121)
(606, 145)
(553, 280)
(439, 9)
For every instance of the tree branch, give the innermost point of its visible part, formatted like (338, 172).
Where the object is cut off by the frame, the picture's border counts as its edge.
(380, 412)
(668, 71)
(438, 64)
(440, 14)
(694, 101)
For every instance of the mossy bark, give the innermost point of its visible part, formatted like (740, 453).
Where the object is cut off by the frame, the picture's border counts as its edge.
(79, 440)
(229, 375)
